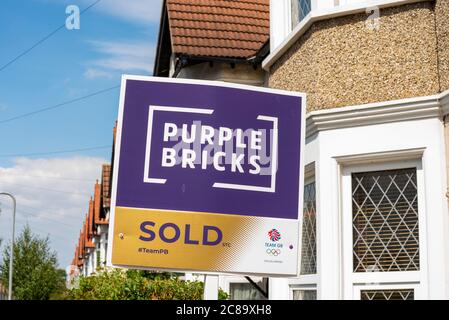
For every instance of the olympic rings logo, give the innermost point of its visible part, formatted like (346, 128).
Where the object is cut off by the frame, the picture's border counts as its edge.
(273, 252)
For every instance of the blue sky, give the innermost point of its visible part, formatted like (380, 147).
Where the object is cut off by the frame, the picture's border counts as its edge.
(115, 37)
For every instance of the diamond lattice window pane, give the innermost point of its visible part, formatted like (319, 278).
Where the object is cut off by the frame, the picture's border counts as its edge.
(299, 10)
(402, 294)
(385, 221)
(308, 252)
(304, 8)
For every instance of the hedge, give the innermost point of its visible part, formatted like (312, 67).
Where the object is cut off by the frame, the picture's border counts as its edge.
(121, 284)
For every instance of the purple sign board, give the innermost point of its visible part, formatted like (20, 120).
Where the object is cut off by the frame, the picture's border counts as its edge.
(207, 177)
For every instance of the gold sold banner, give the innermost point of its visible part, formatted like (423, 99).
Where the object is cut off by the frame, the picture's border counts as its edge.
(207, 177)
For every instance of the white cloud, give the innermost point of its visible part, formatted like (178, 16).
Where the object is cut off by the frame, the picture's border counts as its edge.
(92, 73)
(52, 195)
(135, 11)
(121, 56)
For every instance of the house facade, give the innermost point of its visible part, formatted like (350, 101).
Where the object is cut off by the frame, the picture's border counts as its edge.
(374, 223)
(375, 219)
(376, 78)
(90, 252)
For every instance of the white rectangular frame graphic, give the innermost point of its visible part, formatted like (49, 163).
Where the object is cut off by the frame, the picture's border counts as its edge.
(146, 178)
(274, 150)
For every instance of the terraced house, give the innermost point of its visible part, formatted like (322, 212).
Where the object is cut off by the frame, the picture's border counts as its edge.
(91, 249)
(376, 77)
(90, 252)
(375, 221)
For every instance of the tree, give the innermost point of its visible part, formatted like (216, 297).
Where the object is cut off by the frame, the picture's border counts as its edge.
(35, 274)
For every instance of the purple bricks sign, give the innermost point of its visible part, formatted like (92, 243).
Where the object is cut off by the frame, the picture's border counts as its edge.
(207, 177)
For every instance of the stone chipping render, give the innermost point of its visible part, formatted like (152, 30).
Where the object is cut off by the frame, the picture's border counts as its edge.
(442, 28)
(340, 61)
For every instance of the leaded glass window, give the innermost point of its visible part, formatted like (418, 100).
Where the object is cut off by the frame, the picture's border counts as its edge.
(308, 251)
(300, 9)
(385, 221)
(304, 8)
(402, 294)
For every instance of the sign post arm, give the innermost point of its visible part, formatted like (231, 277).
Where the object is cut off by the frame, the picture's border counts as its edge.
(257, 287)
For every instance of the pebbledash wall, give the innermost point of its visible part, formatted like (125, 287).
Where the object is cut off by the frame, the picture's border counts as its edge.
(342, 61)
(376, 224)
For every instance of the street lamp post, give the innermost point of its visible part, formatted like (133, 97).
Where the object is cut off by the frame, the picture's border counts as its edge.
(11, 257)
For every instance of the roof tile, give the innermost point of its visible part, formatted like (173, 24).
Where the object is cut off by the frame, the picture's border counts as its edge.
(90, 219)
(221, 28)
(97, 204)
(106, 185)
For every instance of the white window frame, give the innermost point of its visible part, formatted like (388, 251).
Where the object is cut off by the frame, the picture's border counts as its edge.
(280, 22)
(281, 28)
(351, 279)
(281, 19)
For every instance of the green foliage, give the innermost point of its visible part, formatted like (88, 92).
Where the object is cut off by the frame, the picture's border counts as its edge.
(60, 289)
(222, 295)
(35, 273)
(136, 285)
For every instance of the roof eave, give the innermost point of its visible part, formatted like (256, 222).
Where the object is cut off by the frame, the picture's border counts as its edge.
(159, 47)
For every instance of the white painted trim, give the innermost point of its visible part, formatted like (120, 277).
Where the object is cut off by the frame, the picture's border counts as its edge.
(319, 15)
(280, 13)
(382, 161)
(381, 157)
(305, 279)
(415, 108)
(386, 277)
(210, 287)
